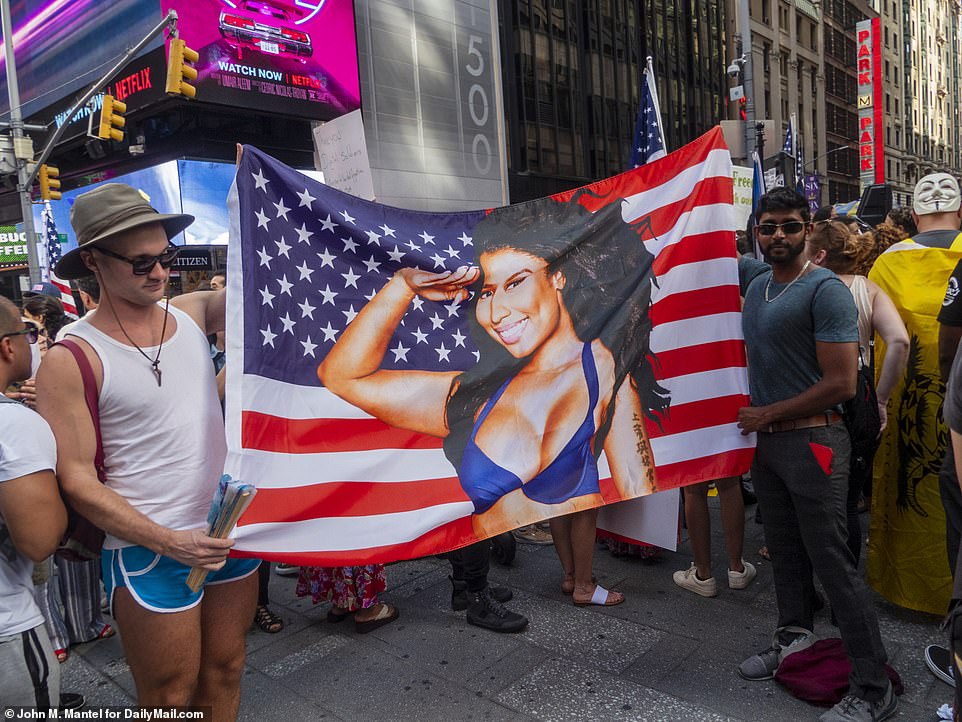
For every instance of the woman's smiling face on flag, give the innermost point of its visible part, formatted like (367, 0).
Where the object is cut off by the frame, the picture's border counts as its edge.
(519, 304)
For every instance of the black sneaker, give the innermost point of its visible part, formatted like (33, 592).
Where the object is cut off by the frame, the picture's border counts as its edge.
(71, 700)
(489, 613)
(461, 599)
(939, 661)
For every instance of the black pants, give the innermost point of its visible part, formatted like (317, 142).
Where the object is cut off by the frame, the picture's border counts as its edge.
(952, 501)
(801, 480)
(470, 564)
(263, 580)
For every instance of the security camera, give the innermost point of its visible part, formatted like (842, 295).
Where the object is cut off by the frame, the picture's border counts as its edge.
(734, 70)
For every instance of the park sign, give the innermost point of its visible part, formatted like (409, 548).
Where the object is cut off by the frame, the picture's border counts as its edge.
(868, 63)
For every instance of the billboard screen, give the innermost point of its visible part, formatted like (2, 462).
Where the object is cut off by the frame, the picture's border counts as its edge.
(64, 45)
(296, 57)
(196, 187)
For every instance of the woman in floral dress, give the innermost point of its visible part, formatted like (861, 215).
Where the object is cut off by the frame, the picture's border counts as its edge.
(351, 591)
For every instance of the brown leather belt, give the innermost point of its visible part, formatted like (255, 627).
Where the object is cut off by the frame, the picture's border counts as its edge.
(826, 418)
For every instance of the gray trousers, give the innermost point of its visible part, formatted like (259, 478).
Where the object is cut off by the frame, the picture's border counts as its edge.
(801, 480)
(29, 673)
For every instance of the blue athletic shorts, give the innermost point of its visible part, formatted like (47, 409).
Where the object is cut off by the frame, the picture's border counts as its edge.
(159, 583)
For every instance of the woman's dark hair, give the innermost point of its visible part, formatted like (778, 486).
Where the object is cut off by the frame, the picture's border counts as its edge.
(902, 217)
(824, 213)
(608, 277)
(50, 309)
(89, 285)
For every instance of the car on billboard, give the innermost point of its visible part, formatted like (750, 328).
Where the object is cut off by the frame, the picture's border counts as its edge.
(266, 28)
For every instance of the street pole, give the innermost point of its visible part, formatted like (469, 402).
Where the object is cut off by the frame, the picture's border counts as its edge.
(745, 30)
(20, 145)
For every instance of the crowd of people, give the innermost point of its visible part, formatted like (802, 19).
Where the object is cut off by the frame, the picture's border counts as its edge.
(97, 437)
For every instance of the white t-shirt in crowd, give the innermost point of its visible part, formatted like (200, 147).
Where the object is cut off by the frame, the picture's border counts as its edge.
(26, 447)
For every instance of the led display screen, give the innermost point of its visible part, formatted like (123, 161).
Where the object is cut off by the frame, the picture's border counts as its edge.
(297, 57)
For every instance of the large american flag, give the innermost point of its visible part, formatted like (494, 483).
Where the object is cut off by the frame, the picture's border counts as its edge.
(51, 241)
(649, 139)
(337, 486)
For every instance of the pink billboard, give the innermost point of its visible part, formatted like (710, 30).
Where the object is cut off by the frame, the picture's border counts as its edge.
(295, 57)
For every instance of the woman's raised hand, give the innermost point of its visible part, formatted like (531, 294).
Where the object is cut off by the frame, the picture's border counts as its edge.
(446, 286)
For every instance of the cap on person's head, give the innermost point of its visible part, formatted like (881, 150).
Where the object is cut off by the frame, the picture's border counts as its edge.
(936, 193)
(43, 289)
(107, 211)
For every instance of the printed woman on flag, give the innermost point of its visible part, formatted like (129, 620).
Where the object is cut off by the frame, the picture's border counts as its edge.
(558, 308)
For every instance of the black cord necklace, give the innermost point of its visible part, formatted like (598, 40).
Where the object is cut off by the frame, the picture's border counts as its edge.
(155, 362)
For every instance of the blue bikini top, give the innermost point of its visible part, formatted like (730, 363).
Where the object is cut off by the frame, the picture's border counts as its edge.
(574, 472)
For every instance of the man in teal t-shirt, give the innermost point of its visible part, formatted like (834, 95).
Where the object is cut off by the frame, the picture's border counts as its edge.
(801, 334)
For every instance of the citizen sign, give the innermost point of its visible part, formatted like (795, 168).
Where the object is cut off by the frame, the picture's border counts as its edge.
(193, 260)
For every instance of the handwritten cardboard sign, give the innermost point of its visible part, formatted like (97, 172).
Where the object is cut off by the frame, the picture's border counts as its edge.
(341, 153)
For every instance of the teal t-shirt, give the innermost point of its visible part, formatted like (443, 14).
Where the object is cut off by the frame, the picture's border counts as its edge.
(780, 336)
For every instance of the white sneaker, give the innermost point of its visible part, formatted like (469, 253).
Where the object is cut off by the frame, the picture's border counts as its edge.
(740, 580)
(689, 580)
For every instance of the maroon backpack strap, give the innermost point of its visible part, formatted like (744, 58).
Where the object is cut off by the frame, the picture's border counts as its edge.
(91, 396)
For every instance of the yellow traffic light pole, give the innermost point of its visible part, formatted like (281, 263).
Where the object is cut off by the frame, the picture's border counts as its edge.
(27, 169)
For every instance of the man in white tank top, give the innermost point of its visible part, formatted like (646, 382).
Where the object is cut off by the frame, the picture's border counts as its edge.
(163, 445)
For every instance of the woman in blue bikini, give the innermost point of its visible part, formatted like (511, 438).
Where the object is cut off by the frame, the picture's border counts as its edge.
(559, 328)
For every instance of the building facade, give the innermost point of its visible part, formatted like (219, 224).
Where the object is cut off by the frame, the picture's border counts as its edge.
(804, 61)
(572, 76)
(929, 88)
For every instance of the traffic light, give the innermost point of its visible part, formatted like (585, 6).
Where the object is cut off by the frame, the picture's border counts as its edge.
(743, 108)
(111, 119)
(49, 183)
(178, 70)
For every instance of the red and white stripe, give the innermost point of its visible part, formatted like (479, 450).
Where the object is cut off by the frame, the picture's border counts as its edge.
(66, 295)
(336, 486)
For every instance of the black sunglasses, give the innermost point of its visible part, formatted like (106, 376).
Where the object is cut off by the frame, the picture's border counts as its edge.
(30, 331)
(789, 228)
(142, 265)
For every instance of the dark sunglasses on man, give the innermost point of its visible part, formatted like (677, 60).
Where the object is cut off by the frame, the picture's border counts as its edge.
(142, 265)
(30, 330)
(788, 228)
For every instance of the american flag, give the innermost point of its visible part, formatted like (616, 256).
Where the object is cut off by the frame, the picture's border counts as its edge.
(51, 241)
(649, 140)
(792, 147)
(337, 486)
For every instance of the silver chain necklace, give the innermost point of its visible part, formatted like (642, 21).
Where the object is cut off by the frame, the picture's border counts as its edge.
(768, 285)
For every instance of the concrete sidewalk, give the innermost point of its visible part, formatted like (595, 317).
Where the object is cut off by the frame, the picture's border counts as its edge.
(665, 654)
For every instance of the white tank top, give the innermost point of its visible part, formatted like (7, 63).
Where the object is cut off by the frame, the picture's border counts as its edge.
(863, 304)
(164, 447)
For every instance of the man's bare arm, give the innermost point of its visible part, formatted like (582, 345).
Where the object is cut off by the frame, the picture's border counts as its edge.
(61, 402)
(949, 337)
(207, 308)
(34, 514)
(839, 365)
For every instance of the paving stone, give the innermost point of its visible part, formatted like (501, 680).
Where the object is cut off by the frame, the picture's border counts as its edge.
(444, 645)
(508, 669)
(260, 701)
(560, 689)
(362, 683)
(78, 675)
(583, 634)
(306, 655)
(708, 677)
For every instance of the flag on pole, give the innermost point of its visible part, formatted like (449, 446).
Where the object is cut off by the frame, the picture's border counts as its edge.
(649, 142)
(799, 159)
(338, 484)
(51, 243)
(758, 190)
(788, 147)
